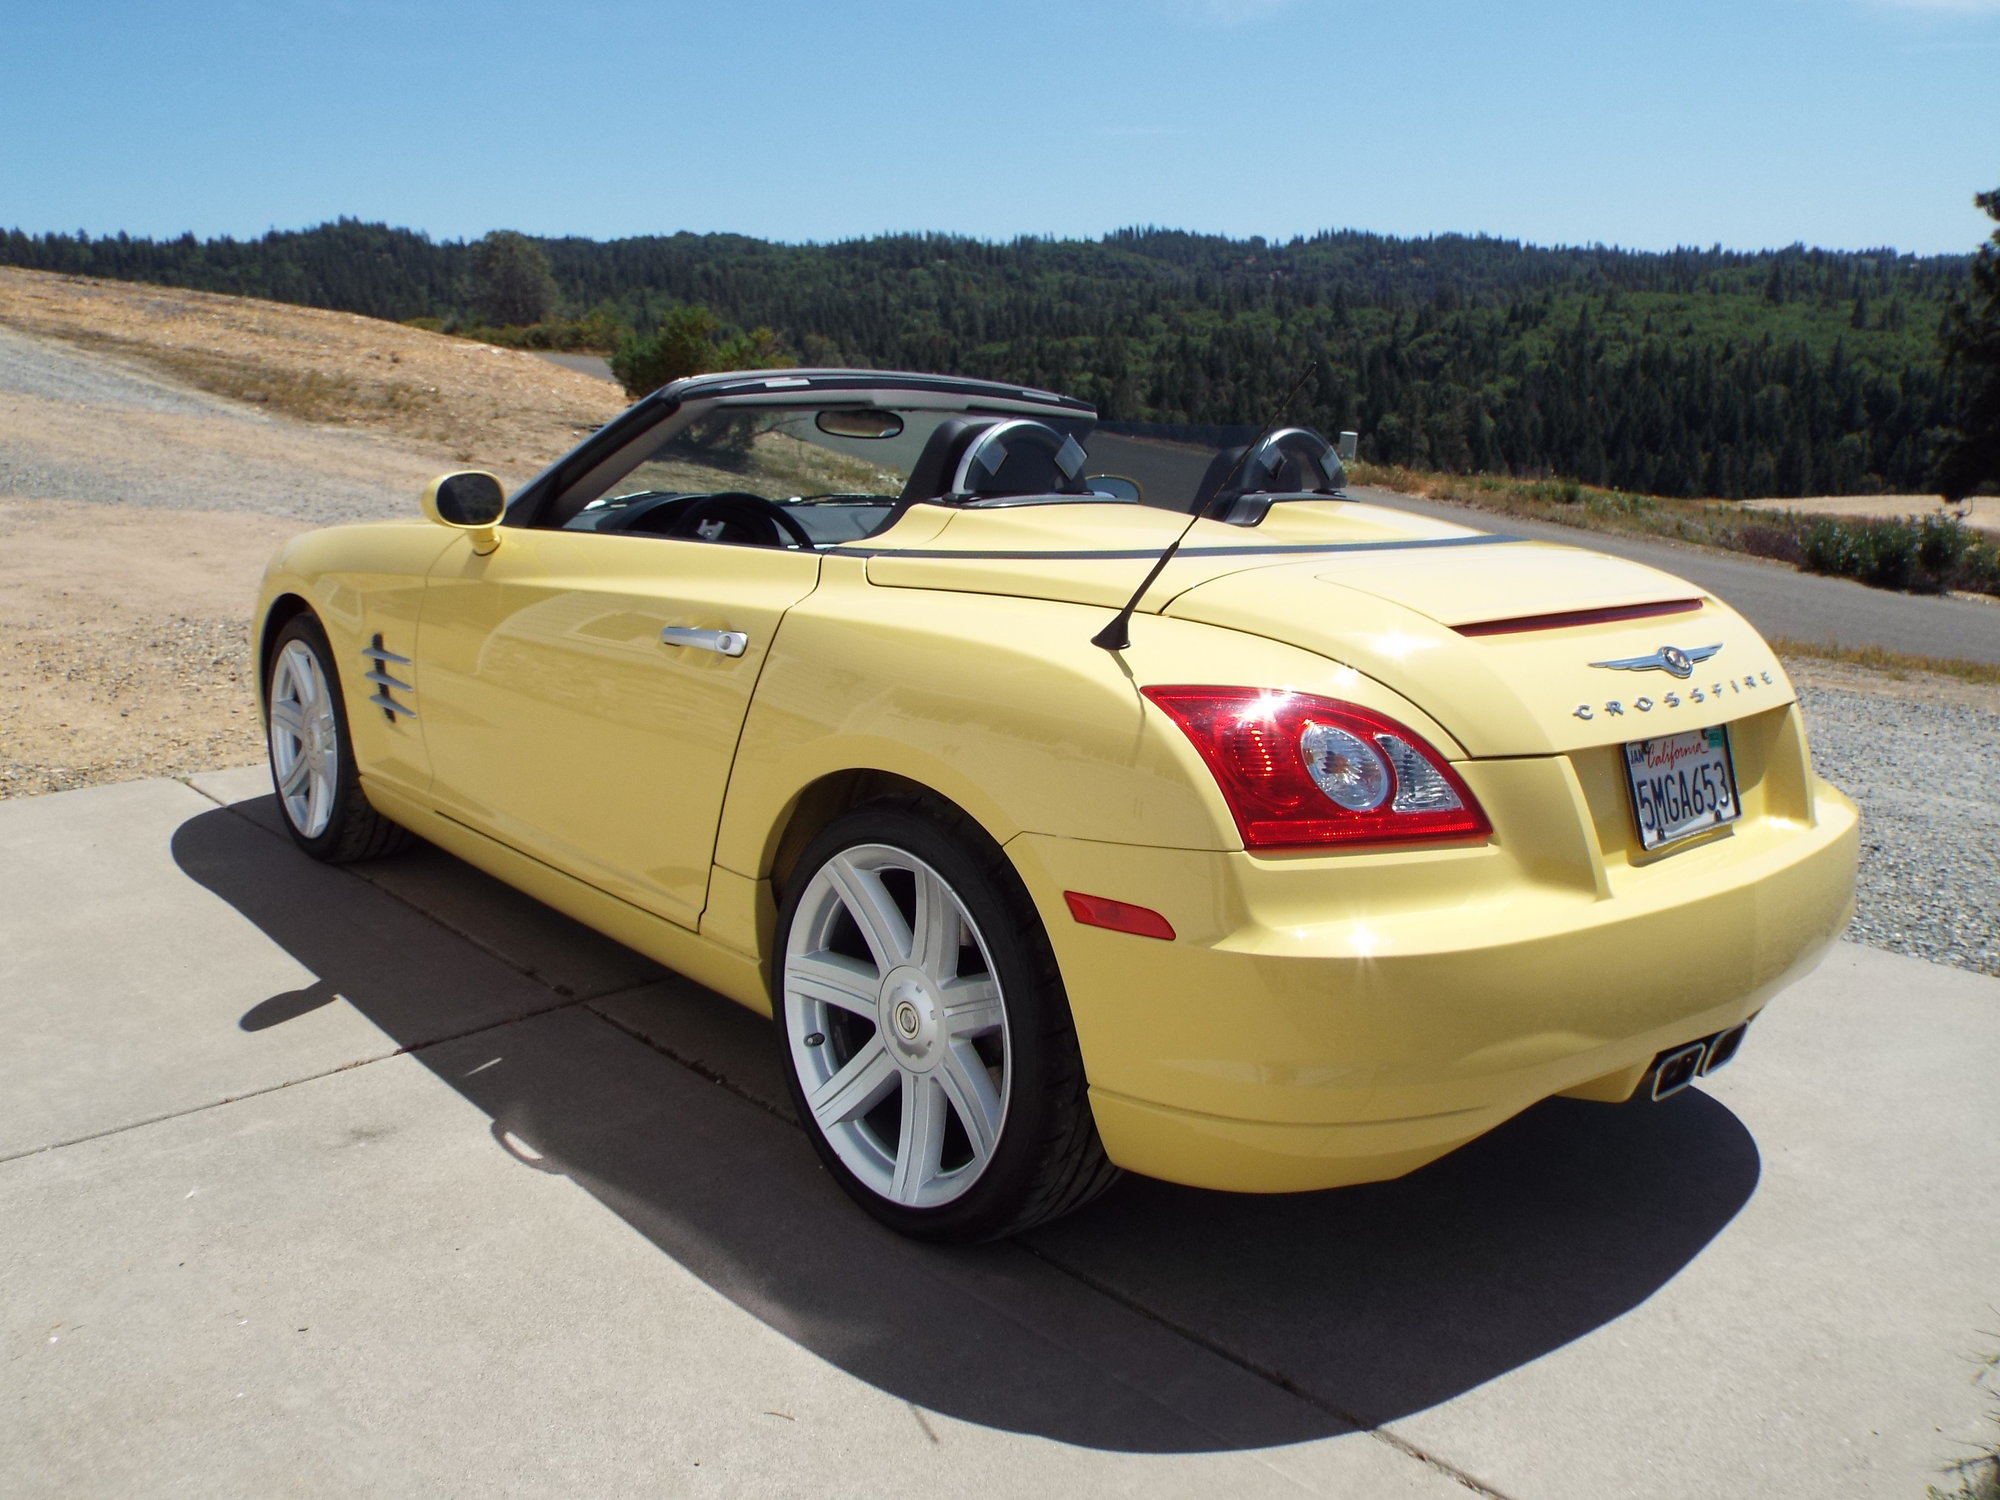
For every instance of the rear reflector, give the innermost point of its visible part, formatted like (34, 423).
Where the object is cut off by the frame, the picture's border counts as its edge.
(1571, 617)
(1119, 916)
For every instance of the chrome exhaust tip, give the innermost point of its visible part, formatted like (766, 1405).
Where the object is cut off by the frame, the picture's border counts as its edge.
(1723, 1048)
(1677, 1069)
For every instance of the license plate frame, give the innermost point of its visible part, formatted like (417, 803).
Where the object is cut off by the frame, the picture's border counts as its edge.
(1681, 786)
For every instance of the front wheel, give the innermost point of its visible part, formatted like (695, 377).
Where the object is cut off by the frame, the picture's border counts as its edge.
(312, 756)
(926, 1036)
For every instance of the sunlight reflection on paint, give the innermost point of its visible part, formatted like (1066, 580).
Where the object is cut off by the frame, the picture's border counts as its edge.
(1398, 645)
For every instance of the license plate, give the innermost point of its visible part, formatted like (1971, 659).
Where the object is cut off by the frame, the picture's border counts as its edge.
(1682, 785)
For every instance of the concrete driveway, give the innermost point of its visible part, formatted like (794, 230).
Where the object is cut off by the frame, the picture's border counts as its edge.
(389, 1181)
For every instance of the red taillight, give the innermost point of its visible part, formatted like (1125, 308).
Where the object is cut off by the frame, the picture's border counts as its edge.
(1298, 770)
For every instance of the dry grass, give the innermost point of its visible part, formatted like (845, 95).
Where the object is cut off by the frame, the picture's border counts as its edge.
(1900, 665)
(124, 641)
(1714, 523)
(499, 408)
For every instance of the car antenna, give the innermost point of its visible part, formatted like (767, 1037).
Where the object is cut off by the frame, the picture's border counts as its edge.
(1117, 635)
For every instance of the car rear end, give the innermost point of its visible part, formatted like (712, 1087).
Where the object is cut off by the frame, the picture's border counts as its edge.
(1652, 859)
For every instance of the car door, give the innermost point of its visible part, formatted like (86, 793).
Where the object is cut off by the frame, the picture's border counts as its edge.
(560, 721)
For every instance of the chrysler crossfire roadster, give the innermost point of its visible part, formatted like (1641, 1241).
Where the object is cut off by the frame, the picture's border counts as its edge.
(866, 700)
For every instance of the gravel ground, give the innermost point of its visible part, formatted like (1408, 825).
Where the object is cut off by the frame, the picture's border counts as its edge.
(79, 426)
(1930, 823)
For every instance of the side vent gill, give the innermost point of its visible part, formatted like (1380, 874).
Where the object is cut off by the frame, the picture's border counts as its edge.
(380, 659)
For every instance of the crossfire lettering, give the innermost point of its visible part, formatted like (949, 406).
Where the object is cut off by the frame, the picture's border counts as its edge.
(1615, 708)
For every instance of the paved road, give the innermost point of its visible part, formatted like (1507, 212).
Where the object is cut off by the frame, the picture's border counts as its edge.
(386, 1180)
(588, 364)
(1778, 600)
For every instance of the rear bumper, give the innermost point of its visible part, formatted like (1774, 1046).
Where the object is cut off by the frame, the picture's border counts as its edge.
(1326, 1020)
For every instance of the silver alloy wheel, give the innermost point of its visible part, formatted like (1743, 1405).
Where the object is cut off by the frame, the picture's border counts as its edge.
(896, 1024)
(305, 742)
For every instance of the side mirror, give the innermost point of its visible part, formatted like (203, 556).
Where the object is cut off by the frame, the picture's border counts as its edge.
(1116, 487)
(1350, 443)
(471, 500)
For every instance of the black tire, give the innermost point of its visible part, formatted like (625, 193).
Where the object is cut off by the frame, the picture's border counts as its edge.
(353, 830)
(1045, 1158)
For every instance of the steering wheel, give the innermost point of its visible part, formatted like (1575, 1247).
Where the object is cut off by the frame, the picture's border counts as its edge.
(739, 511)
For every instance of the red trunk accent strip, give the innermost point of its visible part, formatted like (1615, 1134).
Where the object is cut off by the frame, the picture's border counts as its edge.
(1102, 911)
(1577, 617)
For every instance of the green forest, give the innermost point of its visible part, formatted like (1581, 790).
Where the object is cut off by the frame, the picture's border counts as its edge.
(1682, 373)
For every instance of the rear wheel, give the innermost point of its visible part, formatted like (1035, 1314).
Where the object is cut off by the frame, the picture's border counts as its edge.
(926, 1036)
(312, 762)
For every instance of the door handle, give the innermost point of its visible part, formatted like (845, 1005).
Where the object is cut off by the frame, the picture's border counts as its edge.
(723, 642)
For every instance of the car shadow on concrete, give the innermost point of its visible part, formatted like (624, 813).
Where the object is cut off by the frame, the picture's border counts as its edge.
(1161, 1319)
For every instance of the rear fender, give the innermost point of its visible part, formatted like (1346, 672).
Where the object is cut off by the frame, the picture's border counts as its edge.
(1003, 706)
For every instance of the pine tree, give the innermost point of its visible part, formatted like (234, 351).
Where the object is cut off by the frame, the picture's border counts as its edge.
(512, 285)
(1970, 334)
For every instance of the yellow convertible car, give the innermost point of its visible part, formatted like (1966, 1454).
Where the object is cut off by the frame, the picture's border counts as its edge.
(1073, 796)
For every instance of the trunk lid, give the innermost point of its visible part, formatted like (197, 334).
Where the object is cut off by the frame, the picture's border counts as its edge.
(1500, 640)
(1512, 649)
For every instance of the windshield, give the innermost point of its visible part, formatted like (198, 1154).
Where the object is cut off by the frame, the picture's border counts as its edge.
(813, 475)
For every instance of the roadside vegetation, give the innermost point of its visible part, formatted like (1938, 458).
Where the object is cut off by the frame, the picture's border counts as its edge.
(1978, 1477)
(1899, 665)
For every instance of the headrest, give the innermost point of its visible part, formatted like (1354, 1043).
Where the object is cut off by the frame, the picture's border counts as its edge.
(1291, 461)
(935, 468)
(1021, 458)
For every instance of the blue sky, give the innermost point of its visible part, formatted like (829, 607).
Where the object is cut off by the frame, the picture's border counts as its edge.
(1843, 123)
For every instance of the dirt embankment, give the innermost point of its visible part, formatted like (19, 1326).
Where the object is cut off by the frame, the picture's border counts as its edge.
(156, 445)
(461, 402)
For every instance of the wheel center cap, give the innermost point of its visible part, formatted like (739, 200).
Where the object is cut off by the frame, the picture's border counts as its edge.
(911, 1017)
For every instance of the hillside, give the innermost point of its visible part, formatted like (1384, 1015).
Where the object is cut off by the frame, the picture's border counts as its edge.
(457, 402)
(138, 505)
(1687, 373)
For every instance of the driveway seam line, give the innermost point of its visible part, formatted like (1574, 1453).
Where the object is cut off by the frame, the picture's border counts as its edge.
(702, 1070)
(430, 916)
(346, 1067)
(699, 1069)
(1270, 1376)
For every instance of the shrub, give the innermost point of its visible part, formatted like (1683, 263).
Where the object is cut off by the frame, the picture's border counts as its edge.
(595, 332)
(690, 341)
(1942, 545)
(1882, 553)
(1779, 542)
(1927, 553)
(1549, 491)
(1981, 569)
